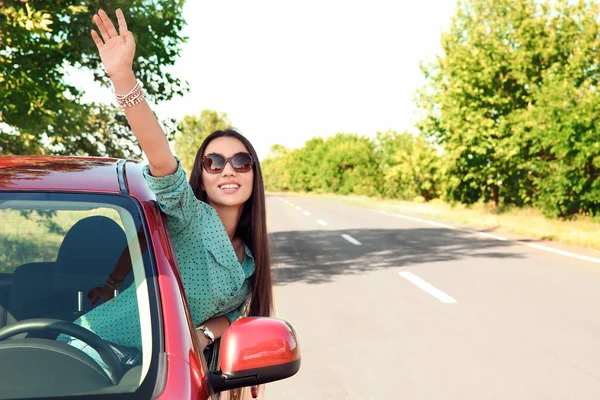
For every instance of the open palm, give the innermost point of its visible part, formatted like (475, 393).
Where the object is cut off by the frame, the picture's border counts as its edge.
(116, 49)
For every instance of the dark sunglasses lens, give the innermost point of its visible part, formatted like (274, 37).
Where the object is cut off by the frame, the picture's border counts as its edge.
(242, 162)
(214, 163)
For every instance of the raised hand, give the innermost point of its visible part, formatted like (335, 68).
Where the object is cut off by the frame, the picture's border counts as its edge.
(116, 49)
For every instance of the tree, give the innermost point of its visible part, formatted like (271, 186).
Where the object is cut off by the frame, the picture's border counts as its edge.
(564, 120)
(485, 95)
(409, 165)
(305, 164)
(349, 165)
(344, 163)
(473, 91)
(192, 132)
(276, 168)
(39, 111)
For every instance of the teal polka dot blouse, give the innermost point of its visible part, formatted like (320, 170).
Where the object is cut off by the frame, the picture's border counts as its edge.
(215, 282)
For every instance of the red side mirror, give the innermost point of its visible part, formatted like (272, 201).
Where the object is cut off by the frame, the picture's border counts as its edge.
(254, 351)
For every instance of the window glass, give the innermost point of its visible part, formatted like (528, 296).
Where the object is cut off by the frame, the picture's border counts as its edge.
(54, 250)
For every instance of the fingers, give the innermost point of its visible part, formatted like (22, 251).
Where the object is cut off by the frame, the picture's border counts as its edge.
(100, 24)
(110, 28)
(121, 21)
(93, 296)
(97, 40)
(98, 293)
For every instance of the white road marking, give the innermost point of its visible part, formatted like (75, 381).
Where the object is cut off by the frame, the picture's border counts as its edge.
(562, 252)
(351, 239)
(321, 222)
(423, 221)
(298, 208)
(489, 235)
(432, 290)
(306, 213)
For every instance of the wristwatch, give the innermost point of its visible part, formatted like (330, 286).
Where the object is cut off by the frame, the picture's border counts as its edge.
(208, 333)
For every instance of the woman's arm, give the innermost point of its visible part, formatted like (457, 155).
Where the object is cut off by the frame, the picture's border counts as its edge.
(217, 326)
(119, 273)
(220, 324)
(117, 50)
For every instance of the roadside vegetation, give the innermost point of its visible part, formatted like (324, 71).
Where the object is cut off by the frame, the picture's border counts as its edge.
(508, 135)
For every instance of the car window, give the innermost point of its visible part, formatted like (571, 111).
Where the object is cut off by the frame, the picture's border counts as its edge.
(54, 249)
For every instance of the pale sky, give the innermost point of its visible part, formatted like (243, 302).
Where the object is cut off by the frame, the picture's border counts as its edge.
(285, 72)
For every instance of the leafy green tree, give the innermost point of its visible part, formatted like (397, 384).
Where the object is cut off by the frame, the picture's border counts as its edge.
(491, 98)
(485, 75)
(305, 166)
(192, 132)
(387, 144)
(40, 112)
(276, 167)
(394, 165)
(410, 166)
(344, 163)
(349, 165)
(564, 121)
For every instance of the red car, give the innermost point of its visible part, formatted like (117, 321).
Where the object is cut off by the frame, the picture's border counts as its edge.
(64, 223)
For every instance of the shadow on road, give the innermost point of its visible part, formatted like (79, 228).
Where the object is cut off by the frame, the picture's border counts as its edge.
(320, 255)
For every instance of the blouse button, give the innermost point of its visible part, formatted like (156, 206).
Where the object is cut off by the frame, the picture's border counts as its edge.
(232, 294)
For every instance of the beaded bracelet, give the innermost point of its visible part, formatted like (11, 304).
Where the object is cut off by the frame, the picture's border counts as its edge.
(132, 98)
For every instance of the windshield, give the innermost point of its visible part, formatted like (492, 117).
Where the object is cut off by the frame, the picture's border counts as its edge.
(55, 249)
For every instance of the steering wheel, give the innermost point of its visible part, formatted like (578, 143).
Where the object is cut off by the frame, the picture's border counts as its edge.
(68, 328)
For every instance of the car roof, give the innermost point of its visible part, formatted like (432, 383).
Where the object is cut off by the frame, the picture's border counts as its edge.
(71, 174)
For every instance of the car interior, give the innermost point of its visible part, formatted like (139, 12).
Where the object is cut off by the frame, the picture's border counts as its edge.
(40, 299)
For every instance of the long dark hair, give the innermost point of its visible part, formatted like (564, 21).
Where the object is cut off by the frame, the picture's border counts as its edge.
(252, 227)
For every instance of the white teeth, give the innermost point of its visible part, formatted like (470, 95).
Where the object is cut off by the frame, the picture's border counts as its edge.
(229, 187)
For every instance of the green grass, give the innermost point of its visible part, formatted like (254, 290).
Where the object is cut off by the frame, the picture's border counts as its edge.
(526, 222)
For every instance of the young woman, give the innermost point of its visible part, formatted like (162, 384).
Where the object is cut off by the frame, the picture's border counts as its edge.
(217, 221)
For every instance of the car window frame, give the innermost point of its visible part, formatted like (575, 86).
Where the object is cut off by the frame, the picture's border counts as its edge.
(154, 381)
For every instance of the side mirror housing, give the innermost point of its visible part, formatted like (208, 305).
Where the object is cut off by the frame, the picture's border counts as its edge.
(254, 351)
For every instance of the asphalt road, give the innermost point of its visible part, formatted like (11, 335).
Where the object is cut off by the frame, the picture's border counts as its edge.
(403, 309)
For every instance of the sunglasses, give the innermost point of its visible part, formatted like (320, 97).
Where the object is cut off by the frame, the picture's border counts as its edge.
(214, 163)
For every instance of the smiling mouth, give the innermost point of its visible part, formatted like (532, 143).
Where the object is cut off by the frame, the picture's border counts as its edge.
(229, 186)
